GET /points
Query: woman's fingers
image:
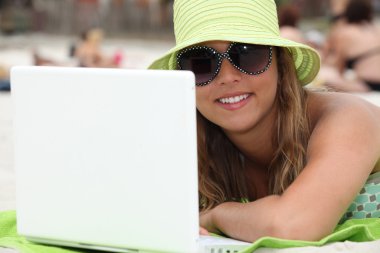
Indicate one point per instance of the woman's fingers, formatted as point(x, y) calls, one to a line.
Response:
point(203, 231)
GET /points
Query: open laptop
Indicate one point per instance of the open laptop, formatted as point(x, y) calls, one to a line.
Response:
point(107, 159)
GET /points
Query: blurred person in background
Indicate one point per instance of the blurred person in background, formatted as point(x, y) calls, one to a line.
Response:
point(354, 50)
point(337, 8)
point(329, 74)
point(337, 20)
point(89, 53)
point(85, 53)
point(288, 18)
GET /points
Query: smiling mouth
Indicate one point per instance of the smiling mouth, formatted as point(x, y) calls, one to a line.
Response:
point(233, 100)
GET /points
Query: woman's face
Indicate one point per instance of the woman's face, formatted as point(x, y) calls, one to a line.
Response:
point(235, 101)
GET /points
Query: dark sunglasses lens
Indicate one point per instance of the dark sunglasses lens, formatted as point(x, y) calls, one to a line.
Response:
point(250, 58)
point(202, 62)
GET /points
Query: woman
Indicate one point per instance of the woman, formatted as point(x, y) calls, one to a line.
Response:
point(89, 53)
point(288, 19)
point(356, 45)
point(274, 158)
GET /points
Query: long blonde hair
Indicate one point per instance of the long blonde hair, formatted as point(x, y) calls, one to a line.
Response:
point(220, 163)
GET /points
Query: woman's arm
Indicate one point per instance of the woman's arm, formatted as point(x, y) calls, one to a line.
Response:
point(343, 148)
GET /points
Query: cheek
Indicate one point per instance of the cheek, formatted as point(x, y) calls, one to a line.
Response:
point(269, 80)
point(202, 98)
point(265, 88)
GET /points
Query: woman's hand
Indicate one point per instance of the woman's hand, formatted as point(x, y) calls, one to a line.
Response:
point(206, 221)
point(203, 231)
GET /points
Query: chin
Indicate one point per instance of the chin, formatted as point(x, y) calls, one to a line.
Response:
point(237, 126)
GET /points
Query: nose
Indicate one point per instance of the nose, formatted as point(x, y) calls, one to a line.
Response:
point(228, 74)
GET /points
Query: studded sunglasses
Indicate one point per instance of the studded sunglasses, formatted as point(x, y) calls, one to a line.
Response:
point(205, 62)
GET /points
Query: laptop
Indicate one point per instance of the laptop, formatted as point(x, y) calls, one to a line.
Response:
point(106, 159)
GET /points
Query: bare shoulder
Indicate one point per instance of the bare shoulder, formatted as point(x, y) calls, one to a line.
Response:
point(323, 104)
point(339, 116)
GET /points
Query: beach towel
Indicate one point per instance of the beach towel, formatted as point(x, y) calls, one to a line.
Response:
point(356, 230)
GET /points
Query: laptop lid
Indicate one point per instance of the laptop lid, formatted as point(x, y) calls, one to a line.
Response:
point(106, 158)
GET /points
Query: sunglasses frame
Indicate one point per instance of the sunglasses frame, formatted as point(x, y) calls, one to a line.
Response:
point(225, 55)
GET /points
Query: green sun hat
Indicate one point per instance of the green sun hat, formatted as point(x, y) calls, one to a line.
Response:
point(246, 21)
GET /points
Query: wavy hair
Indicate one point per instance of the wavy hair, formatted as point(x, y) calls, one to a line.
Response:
point(220, 163)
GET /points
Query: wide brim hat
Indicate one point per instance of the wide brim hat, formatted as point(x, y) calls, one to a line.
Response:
point(246, 21)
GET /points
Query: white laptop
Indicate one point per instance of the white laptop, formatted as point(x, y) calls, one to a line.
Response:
point(107, 159)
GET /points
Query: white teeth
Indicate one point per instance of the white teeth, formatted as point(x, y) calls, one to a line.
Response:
point(233, 100)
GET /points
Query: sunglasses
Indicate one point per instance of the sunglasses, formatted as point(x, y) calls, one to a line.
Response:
point(205, 62)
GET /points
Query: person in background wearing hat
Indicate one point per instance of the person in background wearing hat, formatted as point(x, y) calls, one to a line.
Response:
point(275, 159)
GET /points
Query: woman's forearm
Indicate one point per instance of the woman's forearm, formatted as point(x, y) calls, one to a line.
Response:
point(264, 217)
point(243, 221)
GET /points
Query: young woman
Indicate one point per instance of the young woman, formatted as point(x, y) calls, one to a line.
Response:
point(275, 159)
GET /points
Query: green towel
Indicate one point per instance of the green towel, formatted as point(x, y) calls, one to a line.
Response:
point(357, 230)
point(10, 239)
